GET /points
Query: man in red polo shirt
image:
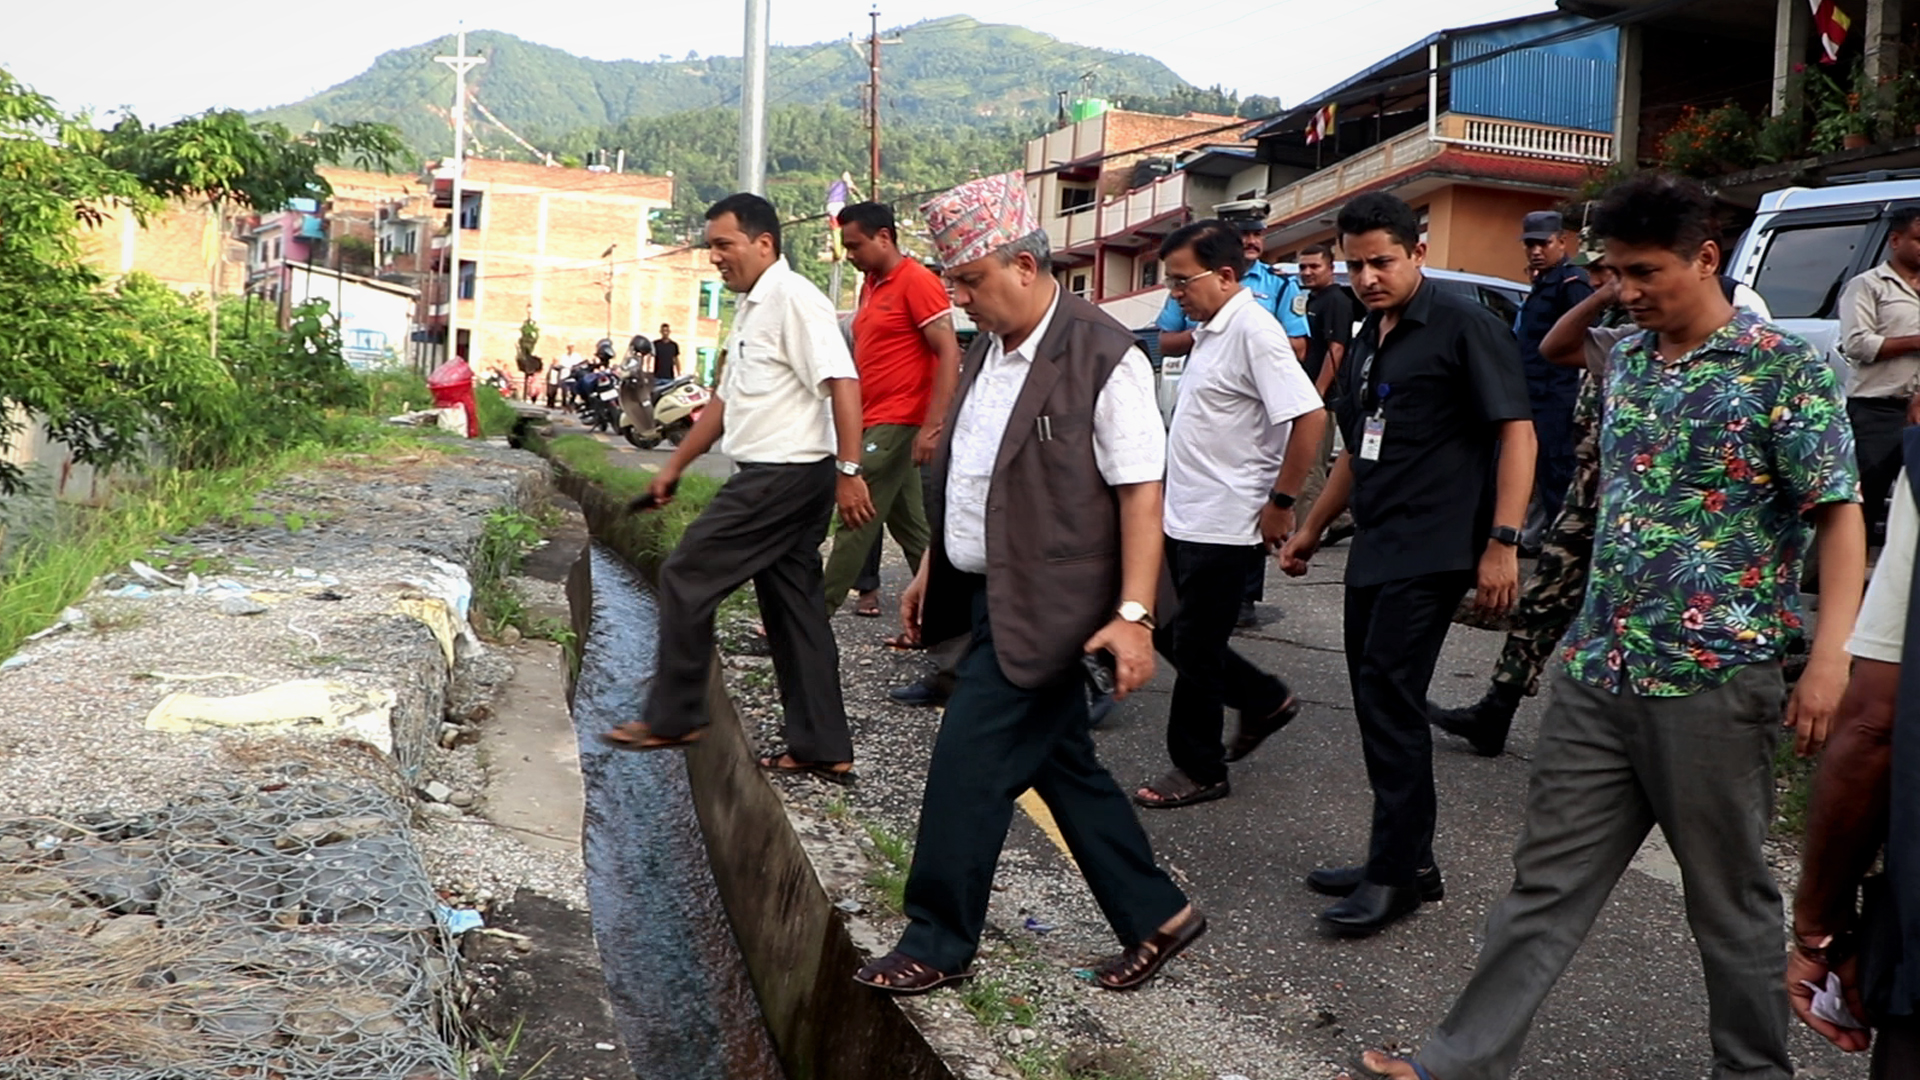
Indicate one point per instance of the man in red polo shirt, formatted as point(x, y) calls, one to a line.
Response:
point(909, 360)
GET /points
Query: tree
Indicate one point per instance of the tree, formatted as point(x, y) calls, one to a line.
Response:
point(107, 367)
point(225, 160)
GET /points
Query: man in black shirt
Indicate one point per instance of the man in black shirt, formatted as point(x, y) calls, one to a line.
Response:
point(1558, 285)
point(1329, 332)
point(1439, 461)
point(666, 356)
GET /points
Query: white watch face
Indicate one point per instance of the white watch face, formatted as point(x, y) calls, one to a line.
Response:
point(1133, 611)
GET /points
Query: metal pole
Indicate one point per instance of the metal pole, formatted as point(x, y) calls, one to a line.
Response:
point(461, 63)
point(753, 101)
point(873, 106)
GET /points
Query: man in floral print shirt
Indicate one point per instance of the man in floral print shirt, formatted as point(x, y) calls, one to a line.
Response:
point(1722, 438)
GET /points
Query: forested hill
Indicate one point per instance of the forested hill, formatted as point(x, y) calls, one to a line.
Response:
point(943, 72)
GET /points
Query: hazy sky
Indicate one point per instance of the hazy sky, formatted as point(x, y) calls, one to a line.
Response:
point(165, 60)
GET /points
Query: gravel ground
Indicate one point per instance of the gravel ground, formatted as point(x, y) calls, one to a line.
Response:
point(326, 557)
point(1180, 1027)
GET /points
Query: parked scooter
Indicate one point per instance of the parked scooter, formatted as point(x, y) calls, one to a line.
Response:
point(648, 415)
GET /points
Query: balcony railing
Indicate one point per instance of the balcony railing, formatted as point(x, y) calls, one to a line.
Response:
point(1077, 229)
point(1413, 147)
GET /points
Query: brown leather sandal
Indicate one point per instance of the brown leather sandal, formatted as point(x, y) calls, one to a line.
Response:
point(1254, 732)
point(1135, 967)
point(784, 763)
point(635, 735)
point(1177, 789)
point(901, 975)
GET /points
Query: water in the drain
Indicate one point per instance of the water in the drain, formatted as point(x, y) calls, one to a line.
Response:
point(674, 972)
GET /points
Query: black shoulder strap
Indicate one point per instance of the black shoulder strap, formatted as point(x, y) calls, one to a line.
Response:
point(1727, 285)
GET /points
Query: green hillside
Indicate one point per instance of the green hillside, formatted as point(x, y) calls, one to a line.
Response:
point(944, 72)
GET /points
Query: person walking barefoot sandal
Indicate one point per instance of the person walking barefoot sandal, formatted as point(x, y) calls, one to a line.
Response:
point(1137, 966)
point(635, 735)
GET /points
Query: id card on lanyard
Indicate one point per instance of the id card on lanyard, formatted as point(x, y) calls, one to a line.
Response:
point(1374, 430)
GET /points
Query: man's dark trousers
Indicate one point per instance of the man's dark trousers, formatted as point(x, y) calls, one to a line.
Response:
point(1211, 675)
point(1554, 461)
point(765, 526)
point(1877, 424)
point(996, 741)
point(1394, 631)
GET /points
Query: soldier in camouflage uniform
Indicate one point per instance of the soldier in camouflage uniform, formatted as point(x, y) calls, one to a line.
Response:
point(1554, 590)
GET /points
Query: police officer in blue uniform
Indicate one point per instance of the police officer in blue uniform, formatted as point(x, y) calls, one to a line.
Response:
point(1558, 286)
point(1280, 294)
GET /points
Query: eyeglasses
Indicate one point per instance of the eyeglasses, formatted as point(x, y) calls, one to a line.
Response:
point(1179, 282)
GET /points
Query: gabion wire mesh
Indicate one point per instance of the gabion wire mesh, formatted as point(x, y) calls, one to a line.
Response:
point(285, 934)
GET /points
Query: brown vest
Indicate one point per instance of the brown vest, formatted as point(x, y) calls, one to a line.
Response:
point(1053, 524)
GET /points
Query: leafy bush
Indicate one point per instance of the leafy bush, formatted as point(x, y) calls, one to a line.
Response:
point(1709, 143)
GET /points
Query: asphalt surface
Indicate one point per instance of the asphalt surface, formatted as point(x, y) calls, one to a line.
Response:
point(1632, 1005)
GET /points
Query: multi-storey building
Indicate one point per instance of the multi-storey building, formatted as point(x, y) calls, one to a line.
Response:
point(572, 250)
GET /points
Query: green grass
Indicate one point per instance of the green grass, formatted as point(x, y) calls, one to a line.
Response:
point(994, 1006)
point(497, 414)
point(890, 878)
point(1794, 776)
point(658, 532)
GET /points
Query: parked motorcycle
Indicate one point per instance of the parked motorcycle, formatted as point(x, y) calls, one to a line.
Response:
point(649, 415)
point(600, 400)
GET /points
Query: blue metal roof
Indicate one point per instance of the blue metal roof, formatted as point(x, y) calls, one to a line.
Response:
point(1417, 50)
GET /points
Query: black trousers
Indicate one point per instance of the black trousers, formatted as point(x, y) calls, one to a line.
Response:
point(1393, 633)
point(1554, 457)
point(996, 741)
point(1877, 424)
point(869, 578)
point(765, 526)
point(1211, 676)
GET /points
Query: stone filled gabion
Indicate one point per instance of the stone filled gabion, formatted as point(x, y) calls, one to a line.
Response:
point(288, 932)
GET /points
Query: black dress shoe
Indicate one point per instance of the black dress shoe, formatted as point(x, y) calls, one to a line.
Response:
point(1342, 880)
point(1249, 618)
point(920, 694)
point(1101, 709)
point(1371, 908)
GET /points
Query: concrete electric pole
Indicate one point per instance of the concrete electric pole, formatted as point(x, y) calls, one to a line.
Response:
point(753, 101)
point(461, 63)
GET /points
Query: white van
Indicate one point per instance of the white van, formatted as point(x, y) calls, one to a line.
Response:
point(1807, 243)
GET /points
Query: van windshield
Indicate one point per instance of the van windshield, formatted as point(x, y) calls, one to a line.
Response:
point(1803, 269)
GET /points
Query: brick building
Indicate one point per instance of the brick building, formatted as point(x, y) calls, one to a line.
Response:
point(570, 248)
point(177, 246)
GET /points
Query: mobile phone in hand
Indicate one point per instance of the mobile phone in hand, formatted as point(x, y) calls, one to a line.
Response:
point(1100, 667)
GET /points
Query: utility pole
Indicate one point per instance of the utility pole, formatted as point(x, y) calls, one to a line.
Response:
point(873, 108)
point(461, 63)
point(753, 101)
point(874, 41)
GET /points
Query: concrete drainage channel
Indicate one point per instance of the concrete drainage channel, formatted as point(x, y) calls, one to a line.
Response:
point(691, 943)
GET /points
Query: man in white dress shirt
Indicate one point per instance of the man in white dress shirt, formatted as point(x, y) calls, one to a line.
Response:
point(1045, 521)
point(1244, 436)
point(788, 398)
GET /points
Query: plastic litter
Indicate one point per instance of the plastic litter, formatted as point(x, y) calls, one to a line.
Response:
point(850, 906)
point(1083, 974)
point(149, 574)
point(15, 661)
point(1038, 927)
point(460, 920)
point(131, 591)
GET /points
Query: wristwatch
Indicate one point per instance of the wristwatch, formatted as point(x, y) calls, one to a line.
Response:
point(1505, 534)
point(1134, 611)
point(848, 468)
point(1280, 500)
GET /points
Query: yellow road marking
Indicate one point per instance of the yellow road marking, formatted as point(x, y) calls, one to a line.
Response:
point(1037, 810)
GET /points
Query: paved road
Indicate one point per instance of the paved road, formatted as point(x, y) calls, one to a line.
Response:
point(1632, 1006)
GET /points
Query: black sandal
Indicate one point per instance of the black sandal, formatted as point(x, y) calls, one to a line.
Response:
point(1253, 733)
point(825, 770)
point(901, 975)
point(1177, 789)
point(1135, 967)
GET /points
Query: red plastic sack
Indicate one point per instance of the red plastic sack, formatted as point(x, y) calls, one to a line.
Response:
point(452, 384)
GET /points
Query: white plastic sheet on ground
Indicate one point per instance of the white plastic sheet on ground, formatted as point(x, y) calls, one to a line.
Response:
point(321, 705)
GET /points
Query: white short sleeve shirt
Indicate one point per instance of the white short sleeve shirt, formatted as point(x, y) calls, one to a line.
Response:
point(785, 348)
point(1880, 631)
point(1128, 442)
point(1240, 392)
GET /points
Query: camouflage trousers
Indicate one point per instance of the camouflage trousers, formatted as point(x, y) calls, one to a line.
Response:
point(1551, 598)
